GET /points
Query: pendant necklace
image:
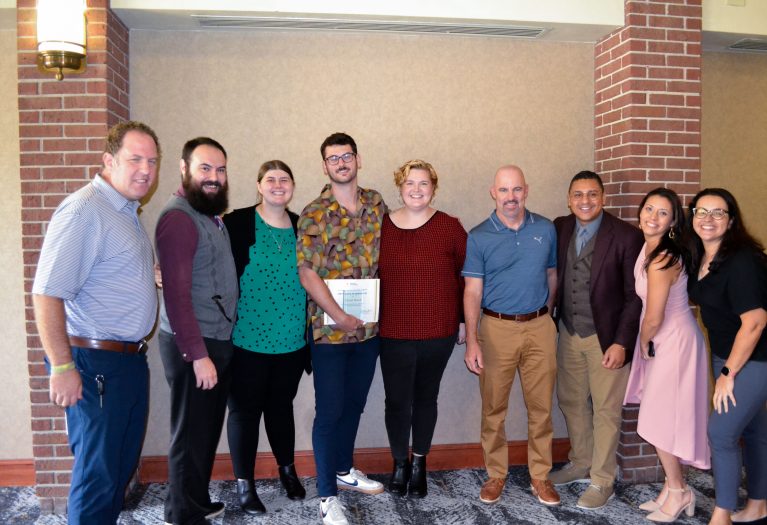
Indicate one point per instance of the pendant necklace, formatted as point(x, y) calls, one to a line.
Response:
point(274, 238)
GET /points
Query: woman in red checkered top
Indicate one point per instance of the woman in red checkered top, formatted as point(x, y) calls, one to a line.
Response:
point(422, 253)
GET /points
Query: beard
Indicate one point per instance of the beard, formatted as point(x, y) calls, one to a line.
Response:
point(203, 202)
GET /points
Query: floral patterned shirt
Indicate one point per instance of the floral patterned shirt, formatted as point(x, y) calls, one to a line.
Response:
point(338, 244)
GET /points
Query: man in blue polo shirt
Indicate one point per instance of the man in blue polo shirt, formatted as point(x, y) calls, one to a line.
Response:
point(511, 278)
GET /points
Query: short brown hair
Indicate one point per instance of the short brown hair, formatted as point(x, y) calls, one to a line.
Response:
point(338, 139)
point(117, 134)
point(400, 176)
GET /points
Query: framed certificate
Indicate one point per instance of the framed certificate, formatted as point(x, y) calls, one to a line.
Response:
point(357, 297)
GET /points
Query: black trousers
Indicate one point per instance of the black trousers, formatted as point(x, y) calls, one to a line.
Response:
point(412, 371)
point(262, 384)
point(196, 420)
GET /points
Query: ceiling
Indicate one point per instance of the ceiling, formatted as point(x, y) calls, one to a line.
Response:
point(725, 22)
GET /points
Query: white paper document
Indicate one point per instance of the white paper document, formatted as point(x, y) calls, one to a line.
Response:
point(357, 297)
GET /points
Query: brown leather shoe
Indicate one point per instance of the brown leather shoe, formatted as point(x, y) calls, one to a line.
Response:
point(491, 490)
point(545, 491)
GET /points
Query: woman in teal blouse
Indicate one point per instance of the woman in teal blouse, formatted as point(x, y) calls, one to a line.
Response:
point(269, 335)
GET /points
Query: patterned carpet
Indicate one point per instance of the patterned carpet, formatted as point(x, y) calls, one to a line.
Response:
point(452, 500)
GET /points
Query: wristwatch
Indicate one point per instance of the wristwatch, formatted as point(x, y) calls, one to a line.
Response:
point(725, 371)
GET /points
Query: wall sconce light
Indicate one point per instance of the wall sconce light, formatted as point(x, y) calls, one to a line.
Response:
point(61, 36)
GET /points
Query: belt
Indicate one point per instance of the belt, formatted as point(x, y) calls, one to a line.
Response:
point(113, 346)
point(520, 318)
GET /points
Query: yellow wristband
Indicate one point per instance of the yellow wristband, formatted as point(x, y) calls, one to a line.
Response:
point(59, 369)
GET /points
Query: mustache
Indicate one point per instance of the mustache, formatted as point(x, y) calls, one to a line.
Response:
point(212, 184)
point(511, 201)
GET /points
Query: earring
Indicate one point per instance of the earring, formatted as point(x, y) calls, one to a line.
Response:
point(671, 234)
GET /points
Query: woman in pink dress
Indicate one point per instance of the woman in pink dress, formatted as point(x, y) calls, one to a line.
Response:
point(669, 373)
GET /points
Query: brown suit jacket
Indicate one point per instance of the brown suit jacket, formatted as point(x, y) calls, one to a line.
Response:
point(614, 302)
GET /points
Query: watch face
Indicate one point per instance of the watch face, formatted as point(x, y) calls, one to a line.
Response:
point(725, 371)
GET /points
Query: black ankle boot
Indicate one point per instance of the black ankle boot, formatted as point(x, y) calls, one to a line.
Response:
point(249, 501)
point(290, 481)
point(417, 487)
point(399, 477)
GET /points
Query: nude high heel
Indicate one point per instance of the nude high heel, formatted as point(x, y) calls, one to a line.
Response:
point(654, 504)
point(689, 508)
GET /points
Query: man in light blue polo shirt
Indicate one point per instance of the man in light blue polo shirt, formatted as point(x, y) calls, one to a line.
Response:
point(95, 300)
point(511, 278)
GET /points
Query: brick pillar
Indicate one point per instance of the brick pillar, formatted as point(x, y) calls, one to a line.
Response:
point(647, 132)
point(62, 126)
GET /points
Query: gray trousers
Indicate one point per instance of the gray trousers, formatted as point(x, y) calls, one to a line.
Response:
point(749, 421)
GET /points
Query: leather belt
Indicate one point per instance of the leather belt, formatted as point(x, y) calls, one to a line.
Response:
point(520, 318)
point(112, 346)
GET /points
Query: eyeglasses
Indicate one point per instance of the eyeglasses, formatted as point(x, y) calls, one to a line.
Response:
point(335, 159)
point(701, 213)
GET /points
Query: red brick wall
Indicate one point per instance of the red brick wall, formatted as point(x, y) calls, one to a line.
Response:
point(637, 460)
point(647, 132)
point(62, 126)
point(647, 103)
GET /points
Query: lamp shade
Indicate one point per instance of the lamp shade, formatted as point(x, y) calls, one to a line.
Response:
point(61, 35)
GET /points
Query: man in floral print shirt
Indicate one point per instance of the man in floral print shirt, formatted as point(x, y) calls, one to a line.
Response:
point(339, 238)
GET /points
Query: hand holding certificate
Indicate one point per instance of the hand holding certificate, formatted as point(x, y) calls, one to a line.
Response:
point(357, 297)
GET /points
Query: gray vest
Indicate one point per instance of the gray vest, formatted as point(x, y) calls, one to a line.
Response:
point(576, 304)
point(214, 278)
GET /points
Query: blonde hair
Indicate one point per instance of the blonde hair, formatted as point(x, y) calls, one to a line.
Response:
point(402, 173)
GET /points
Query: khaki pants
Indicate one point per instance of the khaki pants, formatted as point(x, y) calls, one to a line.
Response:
point(591, 399)
point(530, 347)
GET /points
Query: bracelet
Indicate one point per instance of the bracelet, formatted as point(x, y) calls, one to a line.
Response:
point(59, 369)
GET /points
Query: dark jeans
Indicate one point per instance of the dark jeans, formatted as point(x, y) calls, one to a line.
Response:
point(749, 420)
point(105, 434)
point(342, 377)
point(196, 420)
point(262, 384)
point(412, 371)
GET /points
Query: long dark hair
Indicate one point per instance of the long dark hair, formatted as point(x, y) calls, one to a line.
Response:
point(735, 238)
point(670, 244)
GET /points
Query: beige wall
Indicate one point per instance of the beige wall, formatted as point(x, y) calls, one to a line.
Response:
point(467, 105)
point(734, 131)
point(15, 432)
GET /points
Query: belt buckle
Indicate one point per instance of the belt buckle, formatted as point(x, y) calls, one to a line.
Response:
point(142, 346)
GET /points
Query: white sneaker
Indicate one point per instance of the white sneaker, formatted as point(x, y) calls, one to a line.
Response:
point(332, 512)
point(356, 480)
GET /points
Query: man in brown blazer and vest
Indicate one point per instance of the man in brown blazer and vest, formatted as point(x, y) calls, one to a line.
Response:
point(598, 316)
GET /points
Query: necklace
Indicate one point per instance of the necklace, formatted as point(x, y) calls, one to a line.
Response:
point(271, 230)
point(274, 238)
